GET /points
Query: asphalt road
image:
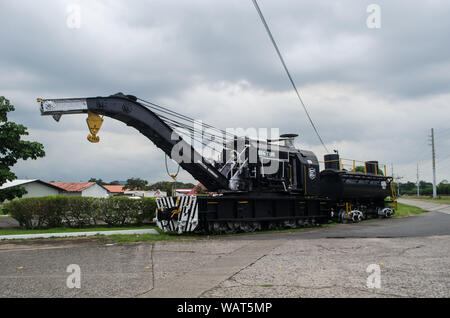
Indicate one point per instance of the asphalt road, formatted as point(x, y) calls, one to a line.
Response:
point(412, 253)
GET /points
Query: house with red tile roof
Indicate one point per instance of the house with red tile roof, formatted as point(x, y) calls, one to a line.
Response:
point(192, 191)
point(115, 189)
point(184, 191)
point(84, 189)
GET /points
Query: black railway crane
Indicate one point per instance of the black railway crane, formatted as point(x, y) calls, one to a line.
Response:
point(260, 184)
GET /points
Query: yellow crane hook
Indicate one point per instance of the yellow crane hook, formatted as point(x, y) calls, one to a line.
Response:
point(94, 123)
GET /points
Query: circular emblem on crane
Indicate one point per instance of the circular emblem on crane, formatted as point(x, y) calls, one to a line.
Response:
point(312, 173)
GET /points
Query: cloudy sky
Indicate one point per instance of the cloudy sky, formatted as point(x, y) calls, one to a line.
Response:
point(374, 94)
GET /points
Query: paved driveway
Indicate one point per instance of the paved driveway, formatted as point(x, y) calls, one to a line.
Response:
point(413, 255)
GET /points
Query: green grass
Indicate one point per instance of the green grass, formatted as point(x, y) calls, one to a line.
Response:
point(407, 210)
point(172, 237)
point(71, 230)
point(441, 200)
point(4, 216)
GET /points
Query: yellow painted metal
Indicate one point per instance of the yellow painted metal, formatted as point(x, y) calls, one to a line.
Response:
point(174, 177)
point(242, 202)
point(175, 212)
point(334, 160)
point(94, 123)
point(351, 163)
point(393, 191)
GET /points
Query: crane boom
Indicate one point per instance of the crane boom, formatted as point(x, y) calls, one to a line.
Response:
point(128, 110)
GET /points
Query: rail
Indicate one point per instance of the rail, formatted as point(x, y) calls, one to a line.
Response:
point(352, 165)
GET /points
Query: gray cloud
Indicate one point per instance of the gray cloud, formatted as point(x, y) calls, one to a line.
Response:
point(371, 92)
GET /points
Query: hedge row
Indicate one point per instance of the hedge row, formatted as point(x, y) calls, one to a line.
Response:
point(56, 211)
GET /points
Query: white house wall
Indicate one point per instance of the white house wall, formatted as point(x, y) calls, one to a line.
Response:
point(95, 191)
point(36, 189)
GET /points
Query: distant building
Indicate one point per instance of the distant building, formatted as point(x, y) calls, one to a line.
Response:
point(192, 191)
point(184, 191)
point(115, 190)
point(146, 194)
point(84, 189)
point(34, 188)
point(118, 190)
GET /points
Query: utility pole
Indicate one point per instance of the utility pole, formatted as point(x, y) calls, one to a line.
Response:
point(396, 179)
point(417, 183)
point(434, 163)
point(393, 179)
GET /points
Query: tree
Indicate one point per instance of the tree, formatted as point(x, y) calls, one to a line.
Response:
point(98, 181)
point(167, 186)
point(12, 149)
point(199, 189)
point(136, 184)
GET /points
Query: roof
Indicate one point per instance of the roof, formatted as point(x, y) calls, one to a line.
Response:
point(183, 190)
point(192, 191)
point(20, 182)
point(73, 186)
point(148, 193)
point(15, 183)
point(115, 188)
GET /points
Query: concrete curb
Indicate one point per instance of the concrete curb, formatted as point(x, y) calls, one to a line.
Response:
point(75, 234)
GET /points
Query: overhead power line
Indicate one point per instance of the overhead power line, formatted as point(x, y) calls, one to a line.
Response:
point(287, 72)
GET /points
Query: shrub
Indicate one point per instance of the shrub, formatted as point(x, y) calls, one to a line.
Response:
point(80, 211)
point(35, 213)
point(52, 210)
point(118, 211)
point(22, 211)
point(148, 209)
